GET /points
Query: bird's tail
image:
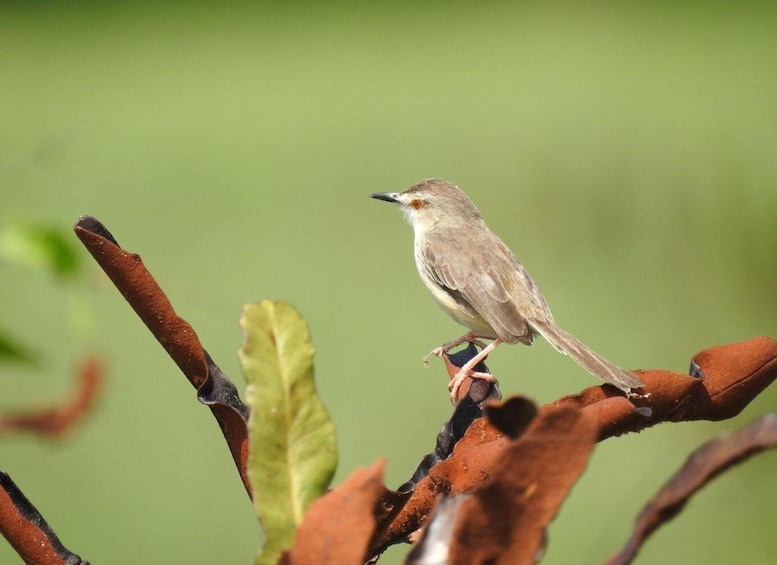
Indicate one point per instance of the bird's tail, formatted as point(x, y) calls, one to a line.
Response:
point(586, 357)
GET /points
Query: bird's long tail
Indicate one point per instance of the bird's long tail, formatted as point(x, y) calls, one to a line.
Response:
point(586, 357)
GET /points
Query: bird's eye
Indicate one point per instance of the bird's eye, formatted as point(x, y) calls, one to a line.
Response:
point(417, 203)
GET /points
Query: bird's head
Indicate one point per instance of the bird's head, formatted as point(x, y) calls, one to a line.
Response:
point(432, 202)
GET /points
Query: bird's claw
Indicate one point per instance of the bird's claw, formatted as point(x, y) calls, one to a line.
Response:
point(437, 352)
point(458, 379)
point(444, 348)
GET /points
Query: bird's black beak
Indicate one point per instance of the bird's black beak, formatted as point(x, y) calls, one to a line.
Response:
point(387, 196)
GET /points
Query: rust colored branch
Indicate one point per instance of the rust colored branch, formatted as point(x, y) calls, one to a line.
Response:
point(732, 376)
point(26, 530)
point(57, 420)
point(132, 279)
point(728, 378)
point(704, 464)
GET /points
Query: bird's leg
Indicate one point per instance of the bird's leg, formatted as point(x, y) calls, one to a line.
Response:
point(467, 370)
point(469, 337)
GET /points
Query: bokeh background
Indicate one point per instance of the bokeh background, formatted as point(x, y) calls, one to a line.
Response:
point(626, 153)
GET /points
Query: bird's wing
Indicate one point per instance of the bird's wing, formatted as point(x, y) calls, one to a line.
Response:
point(486, 280)
point(438, 268)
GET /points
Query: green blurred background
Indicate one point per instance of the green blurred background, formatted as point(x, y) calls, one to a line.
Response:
point(627, 154)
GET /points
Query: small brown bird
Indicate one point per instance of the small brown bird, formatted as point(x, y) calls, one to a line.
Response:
point(478, 281)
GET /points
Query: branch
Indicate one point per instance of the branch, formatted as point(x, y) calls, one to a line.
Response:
point(729, 377)
point(60, 418)
point(723, 381)
point(26, 530)
point(214, 389)
point(704, 464)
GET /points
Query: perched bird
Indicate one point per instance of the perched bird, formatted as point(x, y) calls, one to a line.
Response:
point(478, 281)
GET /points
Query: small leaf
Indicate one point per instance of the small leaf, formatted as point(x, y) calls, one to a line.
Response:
point(339, 525)
point(11, 350)
point(505, 520)
point(292, 454)
point(39, 245)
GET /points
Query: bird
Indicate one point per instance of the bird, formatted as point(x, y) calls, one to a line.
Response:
point(482, 285)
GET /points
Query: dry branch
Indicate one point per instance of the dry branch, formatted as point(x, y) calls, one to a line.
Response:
point(127, 272)
point(732, 376)
point(704, 464)
point(57, 420)
point(26, 530)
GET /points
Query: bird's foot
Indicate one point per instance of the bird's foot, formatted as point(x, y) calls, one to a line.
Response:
point(459, 378)
point(470, 337)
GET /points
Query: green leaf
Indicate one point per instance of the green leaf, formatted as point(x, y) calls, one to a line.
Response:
point(11, 350)
point(41, 246)
point(292, 454)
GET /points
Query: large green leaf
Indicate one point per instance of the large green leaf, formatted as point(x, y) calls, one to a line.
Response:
point(292, 454)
